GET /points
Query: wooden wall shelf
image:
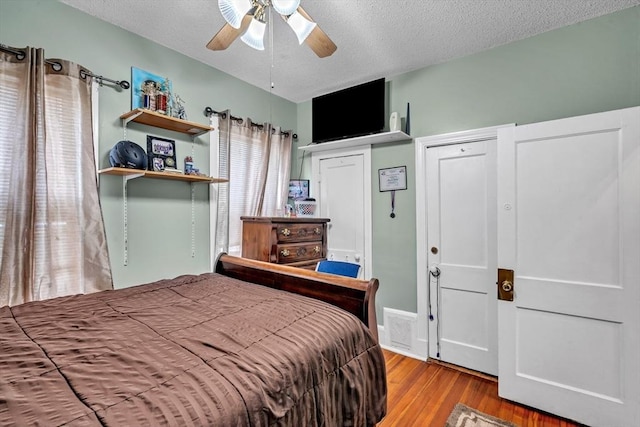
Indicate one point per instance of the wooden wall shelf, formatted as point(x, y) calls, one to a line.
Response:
point(154, 119)
point(151, 118)
point(135, 173)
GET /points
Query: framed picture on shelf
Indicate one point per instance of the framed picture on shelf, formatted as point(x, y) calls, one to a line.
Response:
point(161, 153)
point(298, 189)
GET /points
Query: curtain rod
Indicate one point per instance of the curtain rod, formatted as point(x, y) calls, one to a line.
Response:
point(208, 111)
point(58, 66)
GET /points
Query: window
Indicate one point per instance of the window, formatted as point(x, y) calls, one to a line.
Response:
point(52, 240)
point(258, 167)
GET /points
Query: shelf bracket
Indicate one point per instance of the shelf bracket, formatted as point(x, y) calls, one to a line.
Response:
point(125, 212)
point(132, 117)
point(126, 121)
point(125, 221)
point(131, 176)
point(193, 220)
point(195, 135)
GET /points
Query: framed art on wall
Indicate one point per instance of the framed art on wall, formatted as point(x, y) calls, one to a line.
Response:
point(391, 179)
point(144, 88)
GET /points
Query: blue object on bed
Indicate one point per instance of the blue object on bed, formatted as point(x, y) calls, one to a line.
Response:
point(341, 268)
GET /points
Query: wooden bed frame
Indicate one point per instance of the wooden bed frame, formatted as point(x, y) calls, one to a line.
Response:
point(352, 295)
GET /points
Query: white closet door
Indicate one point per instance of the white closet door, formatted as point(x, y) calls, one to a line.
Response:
point(342, 201)
point(461, 220)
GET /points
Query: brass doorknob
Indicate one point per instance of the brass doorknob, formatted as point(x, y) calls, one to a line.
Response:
point(507, 286)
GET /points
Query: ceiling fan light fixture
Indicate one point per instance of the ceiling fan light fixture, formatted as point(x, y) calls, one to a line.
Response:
point(234, 10)
point(285, 7)
point(301, 26)
point(254, 36)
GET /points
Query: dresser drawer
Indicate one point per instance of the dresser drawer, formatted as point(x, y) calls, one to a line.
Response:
point(289, 233)
point(296, 241)
point(294, 252)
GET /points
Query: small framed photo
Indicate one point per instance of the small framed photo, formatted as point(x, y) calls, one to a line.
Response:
point(392, 179)
point(299, 189)
point(161, 153)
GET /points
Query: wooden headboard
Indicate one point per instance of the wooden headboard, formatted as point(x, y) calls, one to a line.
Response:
point(352, 295)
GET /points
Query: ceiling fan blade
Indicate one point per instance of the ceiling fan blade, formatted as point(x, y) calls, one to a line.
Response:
point(320, 43)
point(318, 40)
point(228, 34)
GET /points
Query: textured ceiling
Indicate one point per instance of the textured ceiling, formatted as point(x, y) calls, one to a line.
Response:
point(375, 38)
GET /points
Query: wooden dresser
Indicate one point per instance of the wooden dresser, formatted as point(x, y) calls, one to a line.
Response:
point(296, 241)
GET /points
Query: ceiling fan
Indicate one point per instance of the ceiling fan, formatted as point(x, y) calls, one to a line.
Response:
point(247, 19)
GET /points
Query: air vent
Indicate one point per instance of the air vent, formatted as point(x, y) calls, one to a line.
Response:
point(399, 327)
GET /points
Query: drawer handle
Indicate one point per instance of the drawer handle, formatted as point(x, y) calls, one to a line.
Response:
point(317, 230)
point(285, 232)
point(285, 252)
point(316, 249)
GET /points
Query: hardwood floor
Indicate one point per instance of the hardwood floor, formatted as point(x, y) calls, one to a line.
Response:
point(424, 393)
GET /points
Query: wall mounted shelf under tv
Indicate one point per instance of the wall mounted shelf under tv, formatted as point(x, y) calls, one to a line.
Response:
point(377, 138)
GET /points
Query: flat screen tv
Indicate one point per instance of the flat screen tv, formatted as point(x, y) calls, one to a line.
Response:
point(347, 113)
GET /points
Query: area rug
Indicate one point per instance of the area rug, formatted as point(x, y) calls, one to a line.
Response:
point(463, 416)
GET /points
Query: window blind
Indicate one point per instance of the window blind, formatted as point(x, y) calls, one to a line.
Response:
point(8, 138)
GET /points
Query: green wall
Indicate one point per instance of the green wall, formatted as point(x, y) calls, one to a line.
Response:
point(159, 212)
point(585, 68)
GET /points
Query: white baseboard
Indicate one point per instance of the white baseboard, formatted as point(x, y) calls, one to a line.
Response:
point(422, 349)
point(402, 352)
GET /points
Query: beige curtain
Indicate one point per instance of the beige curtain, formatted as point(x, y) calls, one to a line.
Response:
point(259, 162)
point(222, 218)
point(52, 239)
point(278, 171)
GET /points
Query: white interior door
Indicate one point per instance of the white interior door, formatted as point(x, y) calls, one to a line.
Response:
point(342, 201)
point(569, 227)
point(461, 222)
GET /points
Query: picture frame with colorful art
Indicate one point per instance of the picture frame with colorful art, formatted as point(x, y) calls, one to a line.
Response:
point(150, 91)
point(298, 189)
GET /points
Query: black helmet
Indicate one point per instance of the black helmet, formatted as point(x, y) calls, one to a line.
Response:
point(127, 154)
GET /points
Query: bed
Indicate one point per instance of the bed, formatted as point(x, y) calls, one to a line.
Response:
point(253, 344)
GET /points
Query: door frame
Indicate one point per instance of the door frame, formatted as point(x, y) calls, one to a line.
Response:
point(422, 265)
point(364, 151)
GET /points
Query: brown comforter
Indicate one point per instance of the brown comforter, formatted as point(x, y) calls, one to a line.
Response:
point(196, 350)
